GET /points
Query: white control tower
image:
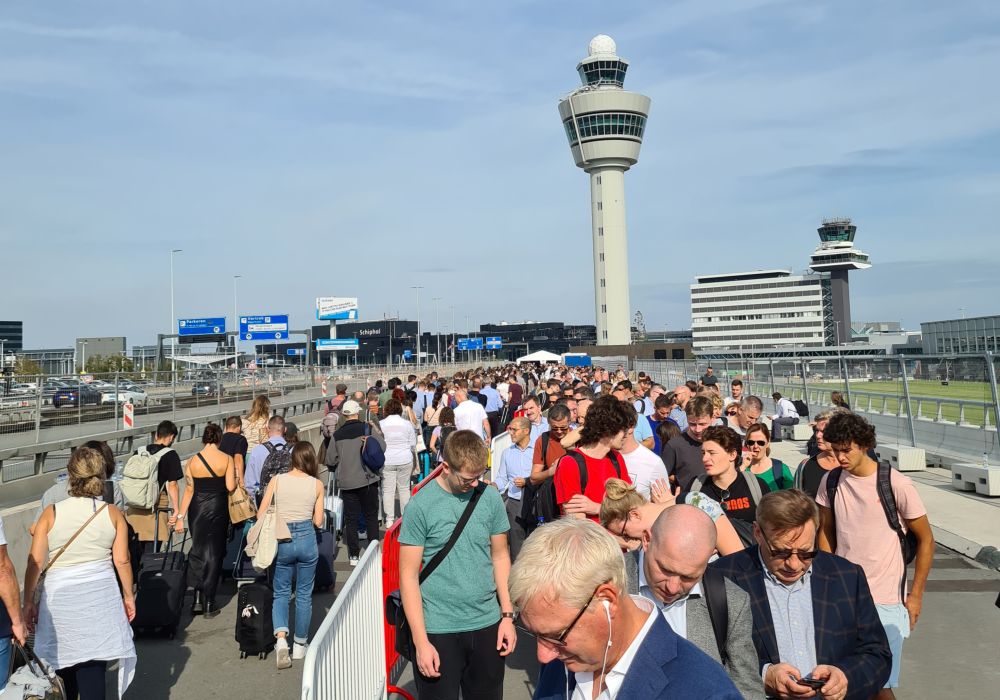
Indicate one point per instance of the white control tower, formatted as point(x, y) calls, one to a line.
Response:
point(604, 124)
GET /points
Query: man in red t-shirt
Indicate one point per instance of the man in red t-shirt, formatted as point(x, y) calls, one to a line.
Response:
point(608, 422)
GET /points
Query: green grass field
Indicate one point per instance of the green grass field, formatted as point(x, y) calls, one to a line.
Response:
point(920, 389)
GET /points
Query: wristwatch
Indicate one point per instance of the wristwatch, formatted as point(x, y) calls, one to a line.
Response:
point(508, 615)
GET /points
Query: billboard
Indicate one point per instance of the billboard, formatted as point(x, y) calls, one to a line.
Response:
point(337, 308)
point(264, 327)
point(494, 342)
point(337, 344)
point(201, 326)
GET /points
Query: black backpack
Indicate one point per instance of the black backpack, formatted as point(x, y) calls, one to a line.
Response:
point(539, 505)
point(801, 408)
point(278, 461)
point(883, 485)
point(713, 584)
point(446, 430)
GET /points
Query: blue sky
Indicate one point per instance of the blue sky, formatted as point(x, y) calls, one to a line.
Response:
point(321, 148)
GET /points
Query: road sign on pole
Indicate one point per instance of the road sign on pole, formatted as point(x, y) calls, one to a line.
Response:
point(201, 326)
point(324, 344)
point(264, 327)
point(128, 416)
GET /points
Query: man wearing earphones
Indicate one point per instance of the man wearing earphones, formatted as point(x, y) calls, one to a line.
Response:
point(597, 642)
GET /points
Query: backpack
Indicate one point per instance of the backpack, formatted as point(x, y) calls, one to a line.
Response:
point(278, 461)
point(777, 474)
point(139, 485)
point(801, 408)
point(372, 454)
point(713, 585)
point(446, 430)
point(883, 485)
point(329, 425)
point(742, 527)
point(544, 508)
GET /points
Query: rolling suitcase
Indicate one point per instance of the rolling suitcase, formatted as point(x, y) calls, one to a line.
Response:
point(254, 629)
point(326, 543)
point(333, 507)
point(160, 588)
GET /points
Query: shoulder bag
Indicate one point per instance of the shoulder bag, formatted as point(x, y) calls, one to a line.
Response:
point(394, 613)
point(35, 680)
point(37, 593)
point(264, 535)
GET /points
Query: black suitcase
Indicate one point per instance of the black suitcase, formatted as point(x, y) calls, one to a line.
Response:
point(254, 628)
point(160, 588)
point(326, 542)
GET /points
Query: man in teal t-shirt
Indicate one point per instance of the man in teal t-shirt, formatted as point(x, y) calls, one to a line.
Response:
point(461, 617)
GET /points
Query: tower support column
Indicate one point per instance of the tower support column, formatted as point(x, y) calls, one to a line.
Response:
point(611, 293)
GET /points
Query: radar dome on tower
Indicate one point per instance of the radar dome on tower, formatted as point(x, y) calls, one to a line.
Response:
point(602, 45)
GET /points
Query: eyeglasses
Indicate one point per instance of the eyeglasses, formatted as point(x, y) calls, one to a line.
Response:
point(466, 481)
point(559, 640)
point(758, 443)
point(786, 554)
point(556, 429)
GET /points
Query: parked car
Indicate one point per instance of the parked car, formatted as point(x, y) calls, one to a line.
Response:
point(207, 387)
point(127, 393)
point(81, 395)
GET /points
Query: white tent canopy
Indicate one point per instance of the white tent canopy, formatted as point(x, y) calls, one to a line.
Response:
point(540, 356)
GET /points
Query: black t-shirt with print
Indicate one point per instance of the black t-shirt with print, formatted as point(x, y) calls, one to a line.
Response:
point(736, 500)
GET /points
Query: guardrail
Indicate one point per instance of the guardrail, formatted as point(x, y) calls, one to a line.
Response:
point(344, 659)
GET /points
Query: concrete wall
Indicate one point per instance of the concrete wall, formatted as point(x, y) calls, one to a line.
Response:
point(17, 519)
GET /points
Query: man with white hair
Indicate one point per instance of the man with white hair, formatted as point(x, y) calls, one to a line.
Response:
point(595, 640)
point(699, 603)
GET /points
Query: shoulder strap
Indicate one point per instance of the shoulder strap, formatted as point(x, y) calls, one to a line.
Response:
point(778, 473)
point(755, 493)
point(613, 456)
point(462, 522)
point(269, 446)
point(70, 540)
point(883, 485)
point(207, 465)
point(714, 585)
point(545, 448)
point(695, 486)
point(797, 480)
point(832, 481)
point(581, 464)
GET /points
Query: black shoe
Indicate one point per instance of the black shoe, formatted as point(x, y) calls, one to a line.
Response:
point(196, 607)
point(211, 611)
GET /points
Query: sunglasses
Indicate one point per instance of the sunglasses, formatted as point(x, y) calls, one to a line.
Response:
point(786, 554)
point(758, 443)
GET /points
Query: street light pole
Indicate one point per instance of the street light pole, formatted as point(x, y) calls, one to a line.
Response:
point(453, 329)
point(83, 362)
point(437, 326)
point(173, 317)
point(236, 327)
point(417, 289)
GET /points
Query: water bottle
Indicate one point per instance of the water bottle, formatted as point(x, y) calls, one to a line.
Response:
point(541, 521)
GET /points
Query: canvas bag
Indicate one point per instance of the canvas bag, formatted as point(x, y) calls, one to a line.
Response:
point(33, 681)
point(263, 537)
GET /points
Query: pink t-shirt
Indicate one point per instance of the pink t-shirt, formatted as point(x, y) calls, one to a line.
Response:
point(863, 533)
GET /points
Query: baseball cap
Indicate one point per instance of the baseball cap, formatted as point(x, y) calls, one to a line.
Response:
point(350, 408)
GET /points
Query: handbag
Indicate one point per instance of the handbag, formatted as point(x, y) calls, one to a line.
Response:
point(37, 593)
point(263, 537)
point(35, 680)
point(394, 613)
point(241, 506)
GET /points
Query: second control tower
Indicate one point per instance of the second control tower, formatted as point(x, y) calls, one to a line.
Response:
point(605, 124)
point(837, 255)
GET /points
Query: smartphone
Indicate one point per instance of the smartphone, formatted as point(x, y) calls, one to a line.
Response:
point(814, 683)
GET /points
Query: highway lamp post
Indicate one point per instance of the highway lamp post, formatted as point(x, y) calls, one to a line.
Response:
point(173, 318)
point(437, 326)
point(417, 290)
point(236, 332)
point(453, 329)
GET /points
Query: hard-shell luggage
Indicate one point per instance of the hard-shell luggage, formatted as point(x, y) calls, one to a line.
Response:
point(326, 543)
point(160, 587)
point(333, 506)
point(254, 629)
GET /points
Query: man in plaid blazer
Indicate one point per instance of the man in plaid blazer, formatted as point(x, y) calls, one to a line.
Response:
point(813, 615)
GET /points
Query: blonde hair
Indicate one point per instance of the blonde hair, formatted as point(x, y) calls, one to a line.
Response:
point(260, 408)
point(566, 559)
point(620, 499)
point(86, 473)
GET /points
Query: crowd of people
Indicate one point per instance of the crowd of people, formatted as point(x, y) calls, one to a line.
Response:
point(645, 537)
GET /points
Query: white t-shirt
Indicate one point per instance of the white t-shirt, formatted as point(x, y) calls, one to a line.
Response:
point(469, 415)
point(644, 467)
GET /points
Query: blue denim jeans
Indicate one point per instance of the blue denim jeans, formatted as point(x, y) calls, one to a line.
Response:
point(296, 558)
point(4, 660)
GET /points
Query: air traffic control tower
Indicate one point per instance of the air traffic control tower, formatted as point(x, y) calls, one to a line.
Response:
point(837, 255)
point(604, 124)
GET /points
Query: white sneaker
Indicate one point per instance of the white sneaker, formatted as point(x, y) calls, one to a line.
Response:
point(353, 561)
point(281, 653)
point(299, 651)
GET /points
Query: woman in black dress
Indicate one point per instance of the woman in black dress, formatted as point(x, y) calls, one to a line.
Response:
point(209, 478)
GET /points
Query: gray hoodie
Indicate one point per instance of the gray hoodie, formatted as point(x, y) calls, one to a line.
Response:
point(343, 455)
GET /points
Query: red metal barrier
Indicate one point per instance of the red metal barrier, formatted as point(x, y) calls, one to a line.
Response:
point(394, 663)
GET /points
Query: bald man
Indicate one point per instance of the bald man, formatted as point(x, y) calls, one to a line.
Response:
point(673, 575)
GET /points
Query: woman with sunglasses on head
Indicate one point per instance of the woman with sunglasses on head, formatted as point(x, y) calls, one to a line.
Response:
point(757, 459)
point(812, 470)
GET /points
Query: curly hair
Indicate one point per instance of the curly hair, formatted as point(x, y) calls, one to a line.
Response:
point(725, 437)
point(606, 418)
point(845, 428)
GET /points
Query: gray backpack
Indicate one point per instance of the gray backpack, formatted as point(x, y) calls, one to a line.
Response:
point(139, 485)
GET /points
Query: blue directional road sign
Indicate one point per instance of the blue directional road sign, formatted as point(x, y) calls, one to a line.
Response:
point(295, 352)
point(463, 344)
point(201, 326)
point(264, 327)
point(494, 342)
point(337, 344)
point(407, 354)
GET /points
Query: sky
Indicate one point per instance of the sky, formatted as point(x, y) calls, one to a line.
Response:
point(361, 149)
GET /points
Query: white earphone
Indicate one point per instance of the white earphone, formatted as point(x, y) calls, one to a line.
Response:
point(607, 609)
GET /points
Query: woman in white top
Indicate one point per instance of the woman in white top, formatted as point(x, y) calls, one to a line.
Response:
point(82, 621)
point(298, 495)
point(400, 443)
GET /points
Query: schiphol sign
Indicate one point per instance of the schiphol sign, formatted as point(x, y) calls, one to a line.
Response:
point(337, 308)
point(201, 326)
point(326, 344)
point(264, 327)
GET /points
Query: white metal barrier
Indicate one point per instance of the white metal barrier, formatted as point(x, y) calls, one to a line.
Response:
point(346, 658)
point(497, 445)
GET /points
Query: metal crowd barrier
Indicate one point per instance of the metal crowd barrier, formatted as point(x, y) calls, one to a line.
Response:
point(344, 659)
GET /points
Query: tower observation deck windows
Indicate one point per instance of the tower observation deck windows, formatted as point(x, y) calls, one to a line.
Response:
point(603, 73)
point(606, 124)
